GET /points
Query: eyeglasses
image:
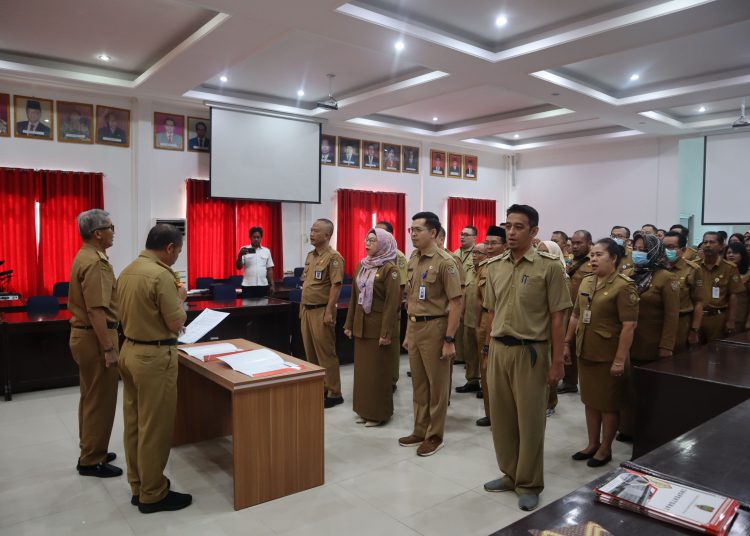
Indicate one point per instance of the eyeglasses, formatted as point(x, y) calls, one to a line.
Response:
point(110, 227)
point(369, 240)
point(415, 230)
point(475, 252)
point(466, 234)
point(492, 243)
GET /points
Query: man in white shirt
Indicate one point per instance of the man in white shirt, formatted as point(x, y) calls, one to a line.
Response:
point(257, 280)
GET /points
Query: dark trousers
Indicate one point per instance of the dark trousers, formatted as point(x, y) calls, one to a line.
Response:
point(254, 292)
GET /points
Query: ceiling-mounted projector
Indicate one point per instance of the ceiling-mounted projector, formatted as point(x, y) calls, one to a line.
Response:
point(330, 103)
point(741, 121)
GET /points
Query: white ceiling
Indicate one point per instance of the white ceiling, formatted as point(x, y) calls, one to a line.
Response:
point(557, 72)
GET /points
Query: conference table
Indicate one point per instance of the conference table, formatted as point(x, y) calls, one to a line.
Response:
point(276, 423)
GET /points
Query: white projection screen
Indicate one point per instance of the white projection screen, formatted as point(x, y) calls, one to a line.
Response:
point(726, 179)
point(264, 157)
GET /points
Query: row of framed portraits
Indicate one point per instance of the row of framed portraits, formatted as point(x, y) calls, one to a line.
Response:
point(375, 155)
point(35, 118)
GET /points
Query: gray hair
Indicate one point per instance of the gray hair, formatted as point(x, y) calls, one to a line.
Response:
point(91, 220)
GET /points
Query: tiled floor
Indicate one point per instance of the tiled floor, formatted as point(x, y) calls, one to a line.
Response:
point(373, 486)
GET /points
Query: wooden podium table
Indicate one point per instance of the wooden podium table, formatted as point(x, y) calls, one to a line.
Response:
point(276, 423)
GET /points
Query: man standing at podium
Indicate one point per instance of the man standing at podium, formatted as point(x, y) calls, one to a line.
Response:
point(92, 302)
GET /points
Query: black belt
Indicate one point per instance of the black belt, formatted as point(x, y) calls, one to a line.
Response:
point(110, 325)
point(163, 342)
point(314, 306)
point(415, 318)
point(713, 312)
point(507, 340)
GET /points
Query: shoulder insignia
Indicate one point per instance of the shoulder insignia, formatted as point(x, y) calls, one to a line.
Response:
point(444, 254)
point(626, 278)
point(394, 275)
point(495, 259)
point(414, 254)
point(675, 285)
point(735, 278)
point(402, 261)
point(335, 262)
point(633, 298)
point(452, 270)
point(547, 255)
point(589, 275)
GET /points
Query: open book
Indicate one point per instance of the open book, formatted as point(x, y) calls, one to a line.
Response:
point(259, 362)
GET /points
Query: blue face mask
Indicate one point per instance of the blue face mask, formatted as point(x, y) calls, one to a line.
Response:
point(671, 255)
point(619, 241)
point(640, 258)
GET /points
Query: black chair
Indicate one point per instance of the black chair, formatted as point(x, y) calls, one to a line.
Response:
point(346, 293)
point(204, 282)
point(298, 271)
point(61, 289)
point(290, 282)
point(42, 305)
point(295, 295)
point(224, 292)
point(235, 280)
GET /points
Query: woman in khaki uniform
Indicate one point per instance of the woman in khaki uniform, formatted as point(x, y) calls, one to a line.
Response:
point(737, 254)
point(603, 322)
point(373, 320)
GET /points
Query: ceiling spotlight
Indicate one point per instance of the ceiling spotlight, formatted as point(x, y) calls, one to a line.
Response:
point(516, 136)
point(399, 45)
point(104, 57)
point(555, 94)
point(702, 109)
point(634, 77)
point(501, 21)
point(223, 78)
point(435, 118)
point(300, 93)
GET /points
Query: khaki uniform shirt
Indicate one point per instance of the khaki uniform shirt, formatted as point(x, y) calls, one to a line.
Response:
point(147, 290)
point(435, 270)
point(92, 284)
point(386, 299)
point(612, 304)
point(691, 254)
point(658, 316)
point(577, 274)
point(471, 298)
point(691, 283)
point(465, 258)
point(723, 275)
point(401, 265)
point(626, 263)
point(322, 270)
point(459, 267)
point(524, 294)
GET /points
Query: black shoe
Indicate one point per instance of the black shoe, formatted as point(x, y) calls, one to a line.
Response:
point(484, 421)
point(480, 394)
point(101, 470)
point(567, 388)
point(580, 456)
point(408, 373)
point(593, 462)
point(134, 499)
point(624, 438)
point(110, 458)
point(470, 387)
point(393, 388)
point(459, 362)
point(329, 402)
point(173, 501)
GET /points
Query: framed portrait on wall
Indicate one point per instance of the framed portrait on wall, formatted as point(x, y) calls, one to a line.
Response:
point(410, 159)
point(391, 157)
point(349, 149)
point(455, 164)
point(199, 135)
point(370, 154)
point(75, 122)
point(4, 115)
point(470, 167)
point(327, 150)
point(112, 126)
point(34, 118)
point(169, 131)
point(437, 163)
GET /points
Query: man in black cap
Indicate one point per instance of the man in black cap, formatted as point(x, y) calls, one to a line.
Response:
point(33, 127)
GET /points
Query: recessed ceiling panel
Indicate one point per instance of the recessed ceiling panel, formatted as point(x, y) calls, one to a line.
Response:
point(703, 109)
point(134, 33)
point(561, 128)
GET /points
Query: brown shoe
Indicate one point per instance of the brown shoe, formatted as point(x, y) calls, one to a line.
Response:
point(430, 446)
point(410, 441)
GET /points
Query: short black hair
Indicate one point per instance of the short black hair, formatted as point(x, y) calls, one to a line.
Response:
point(661, 231)
point(739, 236)
point(199, 123)
point(650, 225)
point(722, 234)
point(530, 212)
point(717, 234)
point(431, 220)
point(681, 238)
point(627, 230)
point(585, 233)
point(684, 230)
point(563, 234)
point(612, 248)
point(254, 230)
point(161, 235)
point(328, 224)
point(387, 225)
point(473, 229)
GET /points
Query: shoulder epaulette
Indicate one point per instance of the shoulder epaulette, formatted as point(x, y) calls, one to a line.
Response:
point(548, 255)
point(691, 263)
point(445, 254)
point(626, 278)
point(498, 258)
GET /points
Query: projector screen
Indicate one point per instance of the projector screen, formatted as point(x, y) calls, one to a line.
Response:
point(263, 157)
point(726, 179)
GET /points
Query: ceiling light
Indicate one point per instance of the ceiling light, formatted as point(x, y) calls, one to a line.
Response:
point(223, 78)
point(702, 109)
point(399, 45)
point(516, 136)
point(104, 57)
point(435, 118)
point(634, 77)
point(501, 21)
point(46, 120)
point(300, 93)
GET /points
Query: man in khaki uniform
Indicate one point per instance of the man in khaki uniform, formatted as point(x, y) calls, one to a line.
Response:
point(401, 265)
point(92, 302)
point(468, 239)
point(434, 309)
point(527, 295)
point(471, 308)
point(151, 298)
point(577, 269)
point(621, 235)
point(691, 290)
point(460, 351)
point(495, 245)
point(322, 279)
point(691, 254)
point(721, 284)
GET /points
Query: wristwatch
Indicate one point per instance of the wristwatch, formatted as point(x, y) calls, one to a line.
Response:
point(486, 349)
point(695, 330)
point(449, 340)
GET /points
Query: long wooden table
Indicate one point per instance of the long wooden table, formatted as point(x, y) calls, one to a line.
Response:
point(276, 423)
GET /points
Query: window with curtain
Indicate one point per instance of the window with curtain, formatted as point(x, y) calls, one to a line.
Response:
point(216, 228)
point(357, 211)
point(480, 213)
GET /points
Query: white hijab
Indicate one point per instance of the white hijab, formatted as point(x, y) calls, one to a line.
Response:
point(555, 250)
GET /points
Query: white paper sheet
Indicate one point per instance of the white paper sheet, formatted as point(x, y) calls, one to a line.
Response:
point(202, 324)
point(256, 362)
point(210, 349)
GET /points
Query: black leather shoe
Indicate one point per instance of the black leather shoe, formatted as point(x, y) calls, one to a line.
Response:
point(624, 438)
point(100, 470)
point(408, 373)
point(329, 402)
point(111, 456)
point(580, 455)
point(469, 387)
point(567, 388)
point(480, 394)
point(173, 501)
point(134, 499)
point(593, 462)
point(393, 388)
point(484, 421)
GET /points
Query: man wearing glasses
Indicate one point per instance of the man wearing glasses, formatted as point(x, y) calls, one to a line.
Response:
point(92, 302)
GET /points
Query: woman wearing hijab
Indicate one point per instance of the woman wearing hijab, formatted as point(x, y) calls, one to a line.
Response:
point(658, 312)
point(373, 321)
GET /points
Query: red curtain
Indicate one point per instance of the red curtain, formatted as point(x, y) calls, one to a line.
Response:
point(216, 228)
point(63, 195)
point(18, 196)
point(462, 212)
point(355, 210)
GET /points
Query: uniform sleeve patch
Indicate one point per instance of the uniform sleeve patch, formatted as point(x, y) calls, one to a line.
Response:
point(394, 275)
point(335, 263)
point(633, 298)
point(735, 278)
point(451, 270)
point(675, 285)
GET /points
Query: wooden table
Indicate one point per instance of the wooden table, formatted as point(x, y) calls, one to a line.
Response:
point(741, 339)
point(276, 423)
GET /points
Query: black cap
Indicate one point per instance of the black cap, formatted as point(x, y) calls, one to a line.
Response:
point(494, 230)
point(33, 105)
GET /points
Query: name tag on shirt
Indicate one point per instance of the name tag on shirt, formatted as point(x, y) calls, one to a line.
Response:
point(586, 319)
point(422, 292)
point(715, 293)
point(318, 275)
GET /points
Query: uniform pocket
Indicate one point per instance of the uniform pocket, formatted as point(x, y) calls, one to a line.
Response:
point(603, 333)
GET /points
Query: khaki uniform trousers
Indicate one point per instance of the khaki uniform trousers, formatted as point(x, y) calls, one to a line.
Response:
point(481, 332)
point(683, 329)
point(98, 402)
point(149, 378)
point(320, 347)
point(430, 376)
point(517, 411)
point(713, 326)
point(571, 371)
point(471, 355)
